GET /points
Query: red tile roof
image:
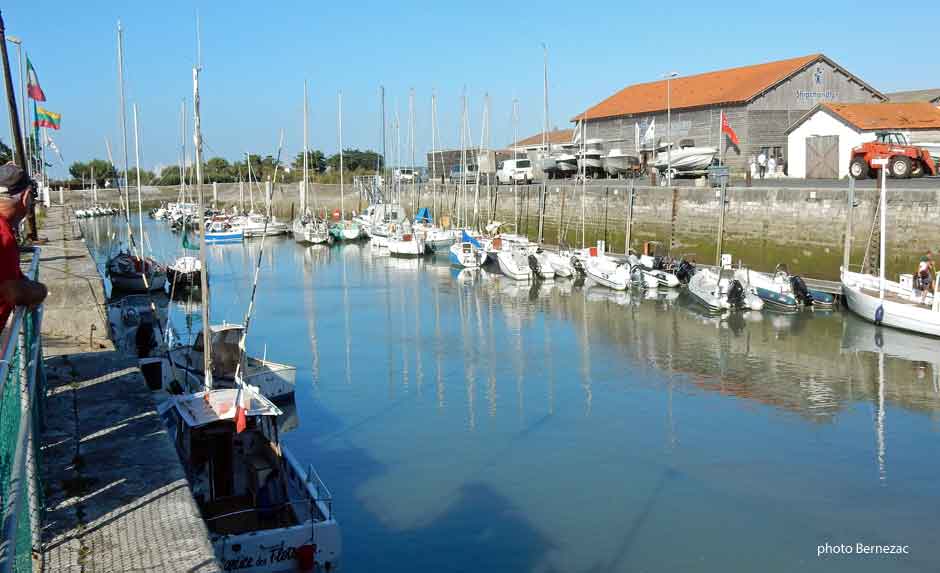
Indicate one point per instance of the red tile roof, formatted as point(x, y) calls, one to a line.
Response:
point(735, 85)
point(557, 136)
point(871, 116)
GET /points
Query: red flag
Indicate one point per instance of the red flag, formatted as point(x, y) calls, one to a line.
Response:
point(32, 83)
point(726, 128)
point(241, 420)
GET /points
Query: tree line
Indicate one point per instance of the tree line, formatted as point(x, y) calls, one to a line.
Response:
point(220, 170)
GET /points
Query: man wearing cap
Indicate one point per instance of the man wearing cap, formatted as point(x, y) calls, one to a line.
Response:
point(16, 194)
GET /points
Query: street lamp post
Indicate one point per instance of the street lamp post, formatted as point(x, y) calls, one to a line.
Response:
point(669, 77)
point(23, 129)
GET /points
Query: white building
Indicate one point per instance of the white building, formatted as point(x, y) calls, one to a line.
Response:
point(819, 144)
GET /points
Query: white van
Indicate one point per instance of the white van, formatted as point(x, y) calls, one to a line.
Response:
point(518, 170)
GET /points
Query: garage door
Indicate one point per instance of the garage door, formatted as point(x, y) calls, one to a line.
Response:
point(822, 157)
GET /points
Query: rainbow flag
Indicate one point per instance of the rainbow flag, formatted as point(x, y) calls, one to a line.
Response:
point(32, 83)
point(46, 118)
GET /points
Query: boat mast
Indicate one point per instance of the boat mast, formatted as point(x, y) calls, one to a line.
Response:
point(204, 270)
point(545, 140)
point(411, 137)
point(303, 193)
point(182, 151)
point(515, 156)
point(339, 131)
point(140, 207)
point(127, 199)
point(881, 247)
point(384, 156)
point(433, 149)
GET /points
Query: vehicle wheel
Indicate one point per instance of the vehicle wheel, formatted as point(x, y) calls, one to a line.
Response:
point(917, 169)
point(900, 167)
point(858, 168)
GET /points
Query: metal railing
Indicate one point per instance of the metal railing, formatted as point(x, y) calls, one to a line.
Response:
point(22, 393)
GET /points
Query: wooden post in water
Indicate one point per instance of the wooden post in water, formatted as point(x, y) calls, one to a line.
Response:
point(675, 215)
point(721, 222)
point(628, 224)
point(606, 200)
point(849, 216)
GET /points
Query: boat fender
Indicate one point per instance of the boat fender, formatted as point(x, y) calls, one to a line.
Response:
point(879, 314)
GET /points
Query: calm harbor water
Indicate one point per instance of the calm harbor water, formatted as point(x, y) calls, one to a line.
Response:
point(467, 423)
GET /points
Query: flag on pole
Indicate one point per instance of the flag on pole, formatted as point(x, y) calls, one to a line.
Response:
point(241, 419)
point(54, 147)
point(577, 132)
point(46, 118)
point(32, 83)
point(726, 129)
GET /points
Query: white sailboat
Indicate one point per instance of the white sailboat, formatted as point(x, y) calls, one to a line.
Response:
point(308, 229)
point(344, 229)
point(882, 301)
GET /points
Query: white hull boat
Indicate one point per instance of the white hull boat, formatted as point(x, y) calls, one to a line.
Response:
point(686, 159)
point(607, 272)
point(311, 231)
point(406, 245)
point(184, 272)
point(256, 225)
point(653, 277)
point(719, 292)
point(566, 163)
point(514, 263)
point(900, 308)
point(263, 510)
point(468, 253)
point(560, 263)
point(617, 163)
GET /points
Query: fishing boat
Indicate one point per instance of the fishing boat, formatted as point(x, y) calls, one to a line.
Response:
point(619, 164)
point(181, 367)
point(130, 273)
point(263, 510)
point(468, 253)
point(720, 291)
point(184, 272)
point(687, 157)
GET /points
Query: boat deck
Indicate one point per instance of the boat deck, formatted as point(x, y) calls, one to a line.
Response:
point(896, 298)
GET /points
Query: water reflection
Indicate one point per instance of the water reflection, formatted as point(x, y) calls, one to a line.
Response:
point(591, 420)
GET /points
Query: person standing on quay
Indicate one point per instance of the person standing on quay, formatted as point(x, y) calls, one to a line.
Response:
point(762, 164)
point(17, 192)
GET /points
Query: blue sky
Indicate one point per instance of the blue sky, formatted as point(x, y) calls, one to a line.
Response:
point(257, 55)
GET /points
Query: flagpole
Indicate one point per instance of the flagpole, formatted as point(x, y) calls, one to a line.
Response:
point(721, 125)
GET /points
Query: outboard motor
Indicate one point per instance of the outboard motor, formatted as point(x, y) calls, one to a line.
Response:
point(736, 294)
point(684, 271)
point(576, 263)
point(800, 292)
point(659, 263)
point(535, 266)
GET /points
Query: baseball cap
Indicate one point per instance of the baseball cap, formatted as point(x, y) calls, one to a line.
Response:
point(13, 180)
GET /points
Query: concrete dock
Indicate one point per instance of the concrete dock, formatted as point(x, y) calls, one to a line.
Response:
point(116, 496)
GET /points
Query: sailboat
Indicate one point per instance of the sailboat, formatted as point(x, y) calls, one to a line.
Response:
point(468, 253)
point(127, 271)
point(344, 229)
point(308, 228)
point(882, 301)
point(263, 511)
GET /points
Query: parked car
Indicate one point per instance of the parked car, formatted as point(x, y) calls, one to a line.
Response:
point(405, 175)
point(518, 170)
point(471, 175)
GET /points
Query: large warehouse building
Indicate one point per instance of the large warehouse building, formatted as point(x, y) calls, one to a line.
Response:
point(760, 101)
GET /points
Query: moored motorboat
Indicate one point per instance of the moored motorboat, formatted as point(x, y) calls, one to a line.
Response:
point(720, 291)
point(607, 272)
point(514, 262)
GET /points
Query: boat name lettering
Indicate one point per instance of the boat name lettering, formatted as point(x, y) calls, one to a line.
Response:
point(275, 555)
